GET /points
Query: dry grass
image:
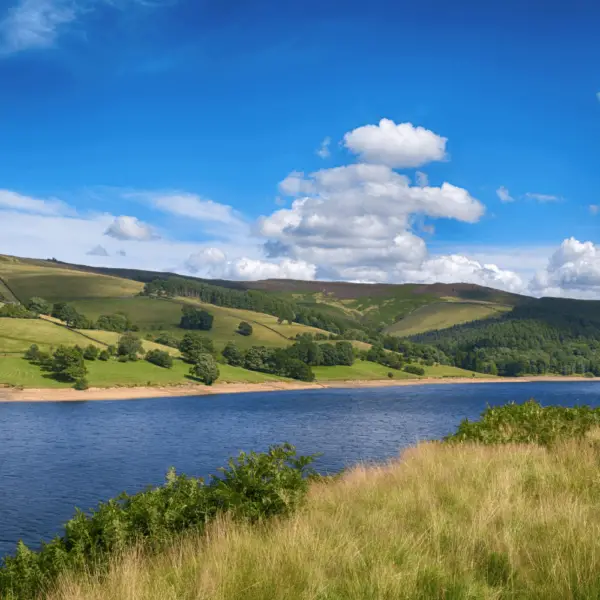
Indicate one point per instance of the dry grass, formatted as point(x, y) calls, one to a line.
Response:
point(448, 522)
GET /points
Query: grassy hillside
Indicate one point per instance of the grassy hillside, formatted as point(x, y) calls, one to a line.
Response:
point(440, 315)
point(16, 371)
point(456, 522)
point(153, 315)
point(54, 283)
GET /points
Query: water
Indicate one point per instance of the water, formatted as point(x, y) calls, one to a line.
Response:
point(54, 456)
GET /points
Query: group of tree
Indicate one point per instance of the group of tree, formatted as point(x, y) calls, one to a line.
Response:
point(555, 337)
point(283, 309)
point(194, 318)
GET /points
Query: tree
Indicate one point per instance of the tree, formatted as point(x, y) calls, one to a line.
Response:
point(329, 355)
point(160, 358)
point(130, 346)
point(39, 306)
point(296, 369)
point(104, 355)
point(65, 312)
point(345, 353)
point(205, 369)
point(167, 339)
point(16, 311)
point(81, 384)
point(285, 313)
point(193, 345)
point(414, 369)
point(91, 352)
point(67, 364)
point(117, 322)
point(33, 353)
point(193, 318)
point(307, 352)
point(244, 328)
point(233, 355)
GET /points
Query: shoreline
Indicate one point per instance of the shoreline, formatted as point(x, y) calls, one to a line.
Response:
point(145, 392)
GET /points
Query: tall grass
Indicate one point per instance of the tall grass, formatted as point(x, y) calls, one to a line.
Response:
point(447, 521)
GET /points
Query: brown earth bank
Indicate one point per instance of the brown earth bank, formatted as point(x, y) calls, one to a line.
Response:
point(8, 394)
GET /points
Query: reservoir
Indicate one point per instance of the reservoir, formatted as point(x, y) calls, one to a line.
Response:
point(58, 455)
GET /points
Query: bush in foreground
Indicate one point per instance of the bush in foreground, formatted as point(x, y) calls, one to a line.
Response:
point(160, 358)
point(251, 488)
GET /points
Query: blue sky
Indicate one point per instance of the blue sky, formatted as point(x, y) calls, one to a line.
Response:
point(157, 134)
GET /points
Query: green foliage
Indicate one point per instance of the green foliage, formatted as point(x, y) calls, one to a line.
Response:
point(16, 311)
point(205, 369)
point(244, 328)
point(233, 355)
point(193, 345)
point(252, 487)
point(39, 306)
point(345, 353)
point(32, 353)
point(67, 363)
point(192, 318)
point(104, 355)
point(118, 322)
point(91, 352)
point(129, 346)
point(65, 312)
point(160, 358)
point(414, 370)
point(527, 423)
point(82, 384)
point(167, 339)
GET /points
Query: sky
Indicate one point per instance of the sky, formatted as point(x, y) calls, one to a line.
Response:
point(373, 142)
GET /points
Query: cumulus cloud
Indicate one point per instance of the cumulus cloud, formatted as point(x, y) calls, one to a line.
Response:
point(213, 262)
point(130, 228)
point(14, 201)
point(192, 206)
point(573, 269)
point(348, 219)
point(98, 251)
point(397, 146)
point(504, 194)
point(323, 150)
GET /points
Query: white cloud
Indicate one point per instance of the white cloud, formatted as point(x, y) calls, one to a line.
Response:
point(542, 197)
point(323, 150)
point(130, 228)
point(15, 201)
point(191, 206)
point(573, 269)
point(594, 209)
point(35, 24)
point(398, 146)
point(98, 251)
point(210, 262)
point(504, 194)
point(421, 179)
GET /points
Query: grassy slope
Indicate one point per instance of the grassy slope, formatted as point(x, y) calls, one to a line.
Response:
point(466, 522)
point(14, 370)
point(55, 284)
point(440, 315)
point(152, 314)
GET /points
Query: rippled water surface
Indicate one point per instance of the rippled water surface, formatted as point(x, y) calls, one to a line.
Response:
point(54, 456)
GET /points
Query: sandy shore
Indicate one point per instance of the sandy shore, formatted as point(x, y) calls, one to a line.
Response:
point(132, 393)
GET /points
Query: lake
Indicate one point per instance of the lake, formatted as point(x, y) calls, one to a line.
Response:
point(54, 456)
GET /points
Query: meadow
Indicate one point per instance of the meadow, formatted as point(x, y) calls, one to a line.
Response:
point(441, 315)
point(447, 521)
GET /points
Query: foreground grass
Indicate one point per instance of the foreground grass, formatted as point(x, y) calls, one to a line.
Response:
point(444, 521)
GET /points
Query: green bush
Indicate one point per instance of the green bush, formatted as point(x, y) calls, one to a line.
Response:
point(104, 355)
point(414, 369)
point(527, 423)
point(244, 328)
point(160, 358)
point(33, 353)
point(130, 346)
point(67, 363)
point(16, 311)
point(205, 369)
point(252, 487)
point(91, 352)
point(81, 384)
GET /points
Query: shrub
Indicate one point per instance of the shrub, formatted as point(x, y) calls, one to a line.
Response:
point(160, 358)
point(251, 488)
point(33, 353)
point(39, 306)
point(205, 369)
point(91, 352)
point(414, 369)
point(81, 384)
point(104, 355)
point(193, 345)
point(244, 328)
point(16, 311)
point(233, 355)
point(130, 346)
point(167, 339)
point(527, 423)
point(67, 363)
point(192, 318)
point(390, 375)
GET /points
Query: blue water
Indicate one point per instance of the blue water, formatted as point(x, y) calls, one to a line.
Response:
point(54, 456)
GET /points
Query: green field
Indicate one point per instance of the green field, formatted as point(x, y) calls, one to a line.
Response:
point(154, 315)
point(55, 283)
point(16, 335)
point(16, 371)
point(360, 370)
point(441, 315)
